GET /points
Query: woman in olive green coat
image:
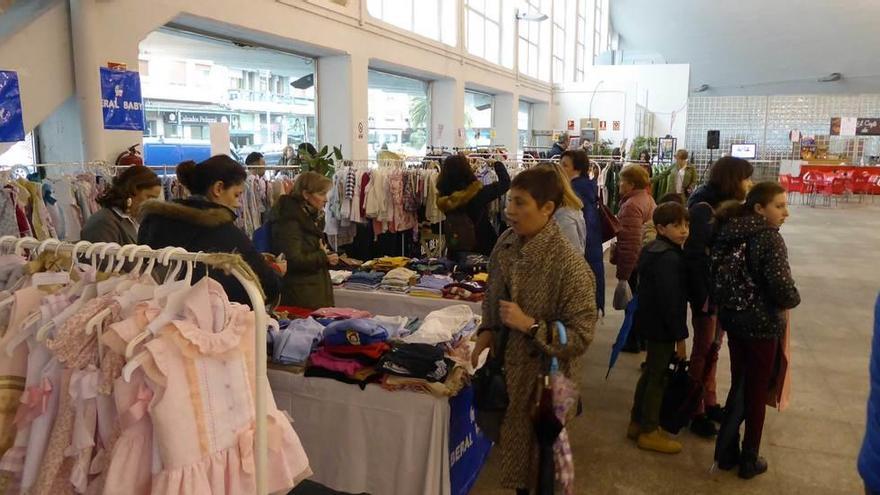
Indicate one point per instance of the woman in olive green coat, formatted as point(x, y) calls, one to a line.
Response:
point(297, 224)
point(680, 178)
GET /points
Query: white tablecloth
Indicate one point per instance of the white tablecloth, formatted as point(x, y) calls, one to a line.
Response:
point(372, 440)
point(390, 304)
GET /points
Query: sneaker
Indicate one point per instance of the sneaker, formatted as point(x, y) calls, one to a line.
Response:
point(715, 413)
point(750, 465)
point(703, 427)
point(659, 441)
point(633, 431)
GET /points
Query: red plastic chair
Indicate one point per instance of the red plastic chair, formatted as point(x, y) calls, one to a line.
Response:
point(832, 190)
point(860, 185)
point(812, 182)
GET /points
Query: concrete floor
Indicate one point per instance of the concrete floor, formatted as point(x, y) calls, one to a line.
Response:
point(811, 447)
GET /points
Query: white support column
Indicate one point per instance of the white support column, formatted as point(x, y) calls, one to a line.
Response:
point(90, 53)
point(342, 104)
point(506, 128)
point(447, 112)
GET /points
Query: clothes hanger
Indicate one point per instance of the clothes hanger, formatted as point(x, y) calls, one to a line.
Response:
point(129, 294)
point(84, 290)
point(19, 245)
point(175, 294)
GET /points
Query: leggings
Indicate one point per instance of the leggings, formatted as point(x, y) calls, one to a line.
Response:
point(753, 362)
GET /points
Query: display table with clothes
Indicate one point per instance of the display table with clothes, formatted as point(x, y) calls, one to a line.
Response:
point(390, 303)
point(385, 400)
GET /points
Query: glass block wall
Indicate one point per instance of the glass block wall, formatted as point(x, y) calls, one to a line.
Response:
point(767, 121)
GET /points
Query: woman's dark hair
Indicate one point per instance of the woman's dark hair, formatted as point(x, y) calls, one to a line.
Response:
point(761, 193)
point(727, 174)
point(455, 175)
point(128, 184)
point(542, 184)
point(253, 157)
point(645, 155)
point(198, 178)
point(579, 160)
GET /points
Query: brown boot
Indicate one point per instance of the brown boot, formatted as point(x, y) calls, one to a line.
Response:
point(659, 441)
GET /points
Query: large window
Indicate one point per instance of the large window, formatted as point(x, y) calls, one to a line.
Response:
point(399, 114)
point(435, 19)
point(601, 28)
point(483, 21)
point(583, 33)
point(478, 116)
point(267, 97)
point(535, 40)
point(524, 124)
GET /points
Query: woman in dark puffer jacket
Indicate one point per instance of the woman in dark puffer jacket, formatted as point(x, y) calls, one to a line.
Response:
point(753, 289)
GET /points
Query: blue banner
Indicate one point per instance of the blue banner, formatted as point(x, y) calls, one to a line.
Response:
point(468, 448)
point(121, 100)
point(11, 121)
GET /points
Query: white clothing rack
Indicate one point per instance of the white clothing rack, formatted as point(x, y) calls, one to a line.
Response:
point(107, 250)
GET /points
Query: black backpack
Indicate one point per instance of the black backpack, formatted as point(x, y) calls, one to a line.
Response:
point(461, 233)
point(733, 285)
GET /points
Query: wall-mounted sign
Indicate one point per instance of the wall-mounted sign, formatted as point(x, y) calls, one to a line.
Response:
point(868, 127)
point(361, 130)
point(11, 120)
point(121, 100)
point(603, 125)
point(202, 118)
point(117, 66)
point(615, 125)
point(571, 125)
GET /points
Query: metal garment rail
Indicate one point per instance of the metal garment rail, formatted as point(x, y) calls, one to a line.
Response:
point(107, 250)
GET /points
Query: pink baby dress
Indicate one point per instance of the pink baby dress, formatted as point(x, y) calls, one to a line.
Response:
point(203, 403)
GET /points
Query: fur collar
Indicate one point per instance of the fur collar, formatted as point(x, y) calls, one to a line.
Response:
point(459, 199)
point(194, 211)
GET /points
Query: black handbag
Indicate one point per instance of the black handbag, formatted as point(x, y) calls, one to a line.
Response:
point(490, 391)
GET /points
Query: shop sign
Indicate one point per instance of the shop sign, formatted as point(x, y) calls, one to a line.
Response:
point(201, 118)
point(868, 127)
point(468, 447)
point(121, 101)
point(169, 117)
point(603, 125)
point(361, 130)
point(11, 120)
point(615, 125)
point(571, 125)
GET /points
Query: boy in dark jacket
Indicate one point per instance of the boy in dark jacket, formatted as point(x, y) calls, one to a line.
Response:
point(662, 313)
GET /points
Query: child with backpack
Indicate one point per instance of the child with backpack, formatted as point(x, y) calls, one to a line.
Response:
point(753, 289)
point(662, 317)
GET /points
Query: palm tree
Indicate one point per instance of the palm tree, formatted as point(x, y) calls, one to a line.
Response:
point(420, 112)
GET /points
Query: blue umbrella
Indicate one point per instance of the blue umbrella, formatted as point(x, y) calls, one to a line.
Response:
point(628, 317)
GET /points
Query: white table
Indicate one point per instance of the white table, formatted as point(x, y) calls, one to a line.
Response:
point(391, 304)
point(372, 440)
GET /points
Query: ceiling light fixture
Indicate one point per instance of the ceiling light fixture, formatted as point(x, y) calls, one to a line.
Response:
point(537, 17)
point(701, 88)
point(834, 76)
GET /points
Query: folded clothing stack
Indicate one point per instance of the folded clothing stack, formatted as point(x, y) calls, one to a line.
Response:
point(338, 277)
point(398, 280)
point(431, 286)
point(387, 263)
point(351, 352)
point(465, 291)
point(365, 281)
point(422, 361)
point(295, 340)
point(340, 313)
point(432, 266)
point(444, 325)
point(357, 331)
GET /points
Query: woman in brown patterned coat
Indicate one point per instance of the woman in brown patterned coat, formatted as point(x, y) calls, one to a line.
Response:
point(536, 278)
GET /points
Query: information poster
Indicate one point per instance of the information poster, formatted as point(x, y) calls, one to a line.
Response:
point(121, 100)
point(11, 120)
